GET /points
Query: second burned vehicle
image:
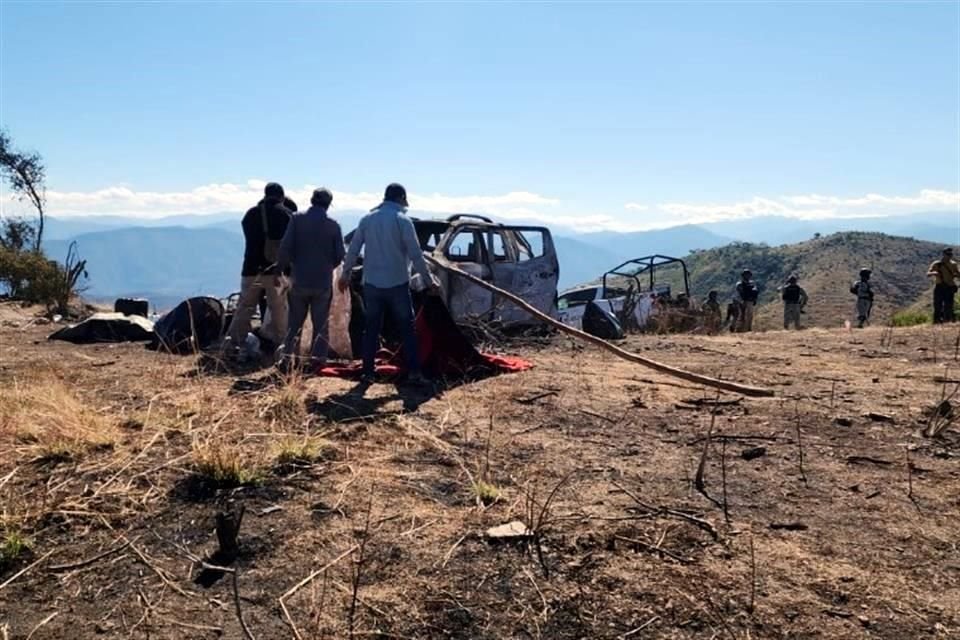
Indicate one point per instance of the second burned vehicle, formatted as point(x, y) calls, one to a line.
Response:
point(634, 292)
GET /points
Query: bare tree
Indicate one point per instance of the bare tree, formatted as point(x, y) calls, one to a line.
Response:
point(25, 174)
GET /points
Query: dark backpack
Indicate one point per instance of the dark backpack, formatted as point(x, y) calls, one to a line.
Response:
point(192, 325)
point(271, 248)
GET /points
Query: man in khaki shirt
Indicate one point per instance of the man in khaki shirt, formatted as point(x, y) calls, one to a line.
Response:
point(945, 273)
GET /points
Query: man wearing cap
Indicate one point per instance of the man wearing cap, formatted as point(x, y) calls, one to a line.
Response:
point(747, 295)
point(945, 273)
point(794, 300)
point(311, 248)
point(389, 242)
point(864, 292)
point(263, 228)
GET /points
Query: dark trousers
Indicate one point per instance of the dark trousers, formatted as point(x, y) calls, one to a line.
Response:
point(397, 302)
point(317, 302)
point(943, 303)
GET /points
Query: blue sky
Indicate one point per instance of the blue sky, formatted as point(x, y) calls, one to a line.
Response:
point(627, 114)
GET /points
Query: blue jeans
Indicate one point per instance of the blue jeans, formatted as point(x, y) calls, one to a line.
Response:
point(397, 302)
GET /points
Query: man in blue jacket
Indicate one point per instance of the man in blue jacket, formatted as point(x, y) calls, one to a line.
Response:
point(311, 248)
point(389, 242)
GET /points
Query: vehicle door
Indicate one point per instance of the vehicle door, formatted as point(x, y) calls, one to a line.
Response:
point(530, 270)
point(465, 247)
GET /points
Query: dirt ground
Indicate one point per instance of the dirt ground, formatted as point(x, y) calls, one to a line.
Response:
point(115, 461)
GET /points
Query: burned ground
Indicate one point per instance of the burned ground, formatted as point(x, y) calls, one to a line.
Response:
point(116, 460)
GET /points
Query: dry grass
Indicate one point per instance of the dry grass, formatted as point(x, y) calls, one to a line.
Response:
point(485, 492)
point(48, 420)
point(298, 452)
point(285, 406)
point(601, 564)
point(226, 466)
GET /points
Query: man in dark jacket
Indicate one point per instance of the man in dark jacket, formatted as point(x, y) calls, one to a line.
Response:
point(263, 228)
point(747, 294)
point(313, 247)
point(262, 303)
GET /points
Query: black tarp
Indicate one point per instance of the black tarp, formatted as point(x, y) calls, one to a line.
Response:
point(107, 327)
point(599, 322)
point(194, 324)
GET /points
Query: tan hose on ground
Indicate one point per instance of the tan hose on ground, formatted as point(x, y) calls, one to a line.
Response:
point(603, 344)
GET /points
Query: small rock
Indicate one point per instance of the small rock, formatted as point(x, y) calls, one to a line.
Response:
point(510, 531)
point(876, 380)
point(878, 417)
point(843, 422)
point(41, 321)
point(864, 620)
point(753, 452)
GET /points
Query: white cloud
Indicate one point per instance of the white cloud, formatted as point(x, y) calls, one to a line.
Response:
point(809, 207)
point(217, 198)
point(515, 205)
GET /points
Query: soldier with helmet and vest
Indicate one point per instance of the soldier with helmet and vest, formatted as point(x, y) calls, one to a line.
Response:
point(794, 300)
point(945, 274)
point(864, 292)
point(747, 294)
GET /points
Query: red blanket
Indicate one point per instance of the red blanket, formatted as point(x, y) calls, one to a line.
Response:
point(444, 351)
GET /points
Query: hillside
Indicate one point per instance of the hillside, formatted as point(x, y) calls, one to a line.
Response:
point(163, 264)
point(826, 267)
point(168, 263)
point(115, 462)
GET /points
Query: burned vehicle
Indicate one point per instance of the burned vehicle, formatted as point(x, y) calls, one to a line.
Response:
point(517, 258)
point(633, 293)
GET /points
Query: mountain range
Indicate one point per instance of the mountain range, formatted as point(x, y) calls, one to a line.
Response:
point(167, 259)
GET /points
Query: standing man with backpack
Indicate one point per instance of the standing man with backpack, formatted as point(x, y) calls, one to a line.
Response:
point(945, 273)
point(794, 300)
point(263, 228)
point(864, 292)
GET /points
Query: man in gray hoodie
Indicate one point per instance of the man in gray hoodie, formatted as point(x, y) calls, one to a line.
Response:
point(312, 247)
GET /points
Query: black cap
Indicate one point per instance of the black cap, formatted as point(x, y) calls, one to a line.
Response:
point(321, 197)
point(948, 250)
point(865, 271)
point(273, 190)
point(395, 192)
point(792, 278)
point(746, 272)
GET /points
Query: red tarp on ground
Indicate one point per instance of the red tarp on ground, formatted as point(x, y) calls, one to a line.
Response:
point(444, 351)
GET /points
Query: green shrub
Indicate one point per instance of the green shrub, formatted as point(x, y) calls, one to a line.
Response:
point(910, 318)
point(31, 277)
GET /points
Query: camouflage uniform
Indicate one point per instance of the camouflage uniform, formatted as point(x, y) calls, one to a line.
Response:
point(794, 300)
point(864, 293)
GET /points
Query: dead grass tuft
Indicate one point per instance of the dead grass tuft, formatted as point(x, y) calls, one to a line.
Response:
point(225, 466)
point(52, 422)
point(297, 453)
point(485, 492)
point(286, 406)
